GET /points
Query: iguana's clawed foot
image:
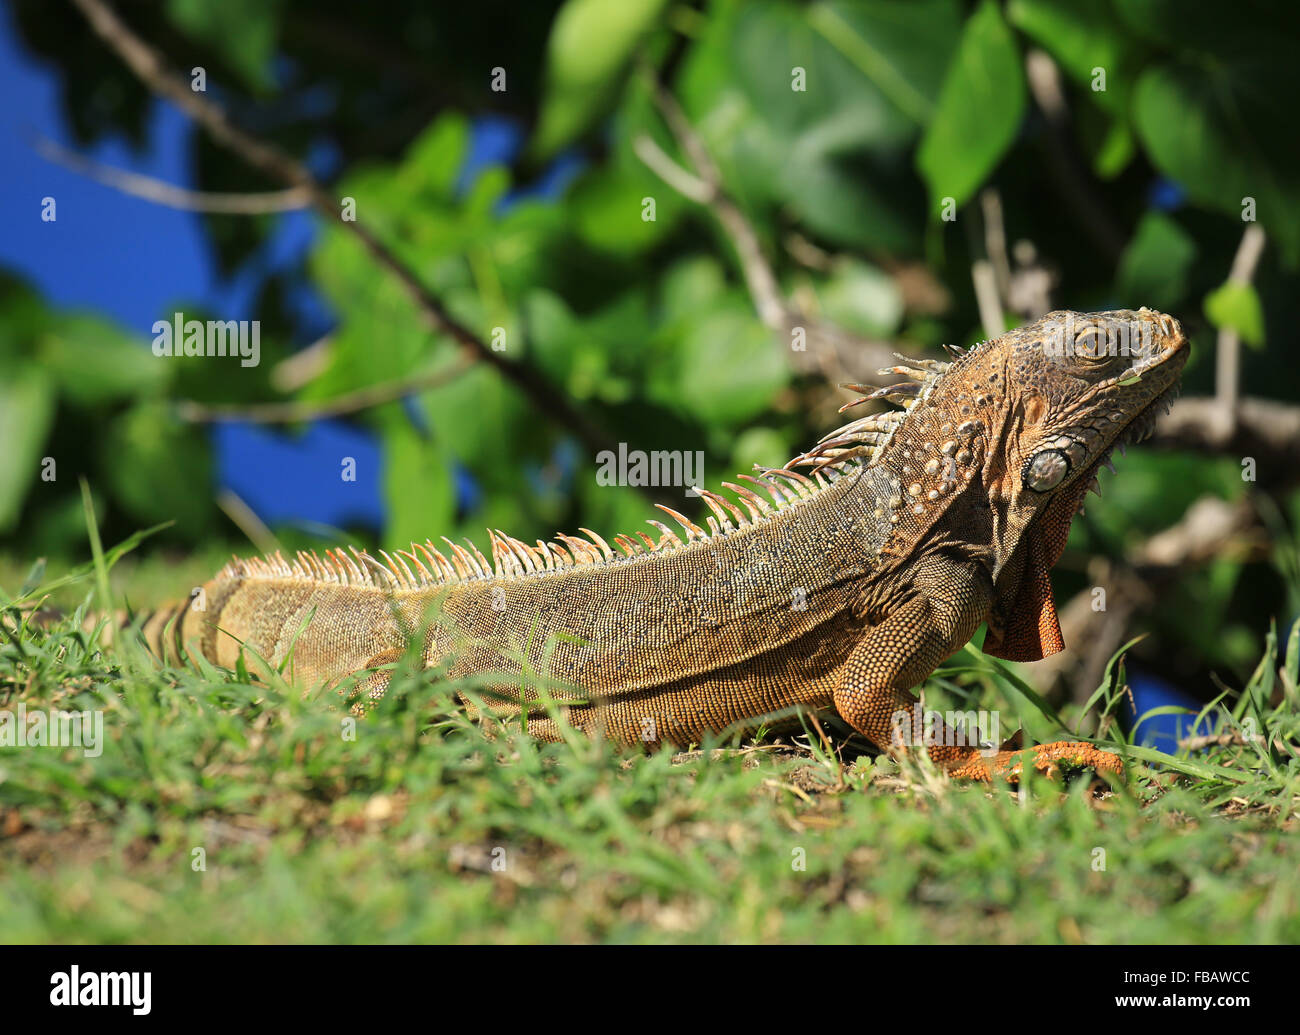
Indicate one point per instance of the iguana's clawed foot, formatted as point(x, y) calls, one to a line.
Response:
point(1048, 759)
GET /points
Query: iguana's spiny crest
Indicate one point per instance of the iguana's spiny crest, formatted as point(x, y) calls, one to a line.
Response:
point(1031, 414)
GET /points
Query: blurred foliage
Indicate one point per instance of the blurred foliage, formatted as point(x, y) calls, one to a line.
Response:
point(646, 325)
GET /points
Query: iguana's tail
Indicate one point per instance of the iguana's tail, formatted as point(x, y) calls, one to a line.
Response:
point(159, 629)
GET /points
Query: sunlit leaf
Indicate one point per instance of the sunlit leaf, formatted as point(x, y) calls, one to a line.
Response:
point(1236, 306)
point(590, 46)
point(979, 110)
point(26, 410)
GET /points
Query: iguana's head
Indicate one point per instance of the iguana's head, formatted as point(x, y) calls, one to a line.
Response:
point(1049, 402)
point(1005, 442)
point(1043, 405)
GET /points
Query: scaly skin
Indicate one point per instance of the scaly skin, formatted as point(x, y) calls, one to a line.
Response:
point(845, 592)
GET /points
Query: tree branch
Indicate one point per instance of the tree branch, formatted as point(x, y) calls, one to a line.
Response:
point(704, 186)
point(169, 195)
point(246, 520)
point(1227, 356)
point(684, 183)
point(306, 409)
point(1264, 429)
point(150, 67)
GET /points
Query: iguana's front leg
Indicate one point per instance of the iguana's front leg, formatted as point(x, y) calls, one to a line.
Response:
point(949, 599)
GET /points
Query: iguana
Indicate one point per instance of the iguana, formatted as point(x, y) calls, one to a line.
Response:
point(842, 587)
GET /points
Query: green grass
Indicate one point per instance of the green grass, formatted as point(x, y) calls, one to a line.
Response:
point(422, 829)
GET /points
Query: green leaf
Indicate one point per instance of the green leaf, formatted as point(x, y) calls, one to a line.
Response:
point(590, 46)
point(979, 110)
point(1104, 687)
point(244, 32)
point(1291, 667)
point(568, 352)
point(434, 159)
point(1115, 152)
point(365, 299)
point(690, 287)
point(93, 362)
point(1153, 270)
point(800, 69)
point(34, 578)
point(159, 469)
point(419, 489)
point(902, 48)
point(1201, 770)
point(1214, 130)
point(482, 198)
point(731, 368)
point(862, 298)
point(1083, 36)
point(607, 210)
point(26, 410)
point(838, 188)
point(1235, 306)
point(24, 317)
point(749, 148)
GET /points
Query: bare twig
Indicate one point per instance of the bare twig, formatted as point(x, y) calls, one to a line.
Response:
point(303, 367)
point(168, 194)
point(986, 297)
point(233, 506)
point(1246, 259)
point(1233, 738)
point(684, 183)
point(1211, 527)
point(1264, 429)
point(705, 187)
point(990, 274)
point(1031, 282)
point(995, 241)
point(804, 252)
point(149, 66)
point(1227, 358)
point(306, 409)
point(763, 287)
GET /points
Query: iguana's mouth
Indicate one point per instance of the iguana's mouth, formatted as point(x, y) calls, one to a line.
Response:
point(1137, 430)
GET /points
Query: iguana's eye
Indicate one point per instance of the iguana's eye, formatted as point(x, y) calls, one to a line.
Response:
point(1091, 343)
point(1046, 470)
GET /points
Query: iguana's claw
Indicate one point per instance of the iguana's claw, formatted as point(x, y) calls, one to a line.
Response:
point(1049, 759)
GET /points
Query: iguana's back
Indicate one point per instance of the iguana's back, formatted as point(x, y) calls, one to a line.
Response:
point(725, 629)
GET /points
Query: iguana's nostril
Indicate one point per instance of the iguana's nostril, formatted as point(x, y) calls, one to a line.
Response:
point(1172, 329)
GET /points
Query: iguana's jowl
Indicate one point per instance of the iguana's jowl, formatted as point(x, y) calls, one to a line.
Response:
point(840, 581)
